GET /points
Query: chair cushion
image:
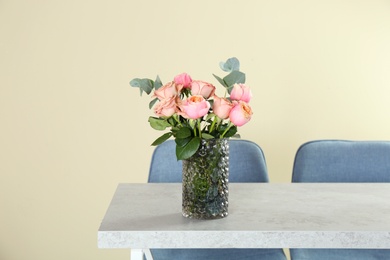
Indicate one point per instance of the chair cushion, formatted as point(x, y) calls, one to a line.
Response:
point(219, 254)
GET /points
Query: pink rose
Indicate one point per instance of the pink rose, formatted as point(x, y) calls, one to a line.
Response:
point(166, 107)
point(202, 88)
point(183, 79)
point(241, 113)
point(167, 91)
point(222, 107)
point(195, 107)
point(241, 92)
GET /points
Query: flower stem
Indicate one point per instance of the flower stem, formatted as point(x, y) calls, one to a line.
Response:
point(200, 130)
point(212, 125)
point(177, 120)
point(227, 129)
point(194, 128)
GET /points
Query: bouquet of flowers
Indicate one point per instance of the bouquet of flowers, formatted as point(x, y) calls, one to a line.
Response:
point(192, 111)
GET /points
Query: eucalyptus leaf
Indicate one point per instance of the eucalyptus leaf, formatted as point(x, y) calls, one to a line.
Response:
point(223, 83)
point(229, 90)
point(151, 104)
point(232, 64)
point(143, 84)
point(157, 83)
point(188, 150)
point(233, 78)
point(162, 139)
point(158, 123)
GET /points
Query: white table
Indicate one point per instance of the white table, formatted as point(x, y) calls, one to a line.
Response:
point(261, 215)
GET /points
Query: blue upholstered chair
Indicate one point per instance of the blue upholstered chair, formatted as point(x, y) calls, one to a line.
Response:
point(246, 164)
point(342, 161)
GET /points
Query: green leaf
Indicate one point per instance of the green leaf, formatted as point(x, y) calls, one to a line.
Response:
point(174, 130)
point(231, 132)
point(143, 84)
point(192, 123)
point(157, 83)
point(183, 132)
point(151, 104)
point(207, 136)
point(210, 116)
point(188, 150)
point(158, 123)
point(221, 81)
point(234, 77)
point(182, 141)
point(232, 64)
point(162, 139)
point(171, 121)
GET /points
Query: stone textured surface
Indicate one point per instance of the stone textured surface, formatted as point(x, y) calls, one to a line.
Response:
point(290, 215)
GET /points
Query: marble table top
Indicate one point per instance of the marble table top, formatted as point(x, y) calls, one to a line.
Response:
point(266, 215)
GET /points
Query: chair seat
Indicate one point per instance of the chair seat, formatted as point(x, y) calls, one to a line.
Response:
point(340, 254)
point(218, 254)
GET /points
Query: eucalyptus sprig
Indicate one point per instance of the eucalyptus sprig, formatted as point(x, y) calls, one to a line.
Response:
point(191, 111)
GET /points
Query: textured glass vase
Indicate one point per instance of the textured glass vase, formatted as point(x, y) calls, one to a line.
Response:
point(205, 181)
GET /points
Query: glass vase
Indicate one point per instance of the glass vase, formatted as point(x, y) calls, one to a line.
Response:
point(205, 181)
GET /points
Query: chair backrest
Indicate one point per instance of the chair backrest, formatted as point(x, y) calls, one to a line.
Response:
point(246, 163)
point(342, 161)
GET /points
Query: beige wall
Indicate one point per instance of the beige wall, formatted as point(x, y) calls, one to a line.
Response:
point(71, 127)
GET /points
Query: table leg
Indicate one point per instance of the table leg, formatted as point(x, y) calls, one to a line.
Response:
point(148, 254)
